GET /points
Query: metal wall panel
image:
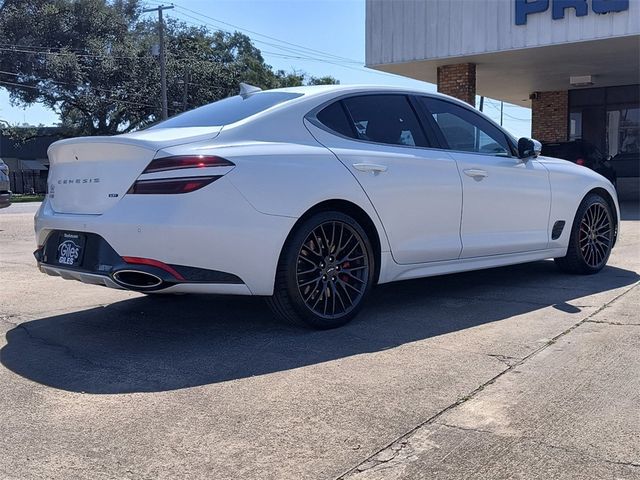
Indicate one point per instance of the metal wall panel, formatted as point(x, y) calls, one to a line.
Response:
point(406, 30)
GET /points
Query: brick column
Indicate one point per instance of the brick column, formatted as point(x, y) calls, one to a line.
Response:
point(550, 116)
point(459, 81)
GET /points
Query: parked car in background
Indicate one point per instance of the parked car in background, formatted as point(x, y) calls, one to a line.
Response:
point(627, 168)
point(5, 193)
point(582, 153)
point(626, 164)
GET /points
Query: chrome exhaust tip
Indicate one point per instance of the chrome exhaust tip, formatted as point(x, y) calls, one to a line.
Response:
point(137, 279)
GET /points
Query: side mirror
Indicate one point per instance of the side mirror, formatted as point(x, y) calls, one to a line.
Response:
point(528, 148)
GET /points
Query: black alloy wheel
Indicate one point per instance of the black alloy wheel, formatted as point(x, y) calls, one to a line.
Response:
point(591, 237)
point(594, 237)
point(325, 272)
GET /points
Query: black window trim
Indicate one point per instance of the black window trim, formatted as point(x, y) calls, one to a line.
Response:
point(432, 133)
point(312, 117)
point(349, 118)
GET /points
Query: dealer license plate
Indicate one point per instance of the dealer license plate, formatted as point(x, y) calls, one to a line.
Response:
point(70, 249)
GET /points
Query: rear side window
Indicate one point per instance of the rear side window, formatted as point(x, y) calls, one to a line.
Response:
point(335, 118)
point(388, 119)
point(228, 110)
point(465, 130)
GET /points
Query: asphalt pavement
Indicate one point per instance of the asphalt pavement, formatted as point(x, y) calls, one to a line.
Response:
point(516, 372)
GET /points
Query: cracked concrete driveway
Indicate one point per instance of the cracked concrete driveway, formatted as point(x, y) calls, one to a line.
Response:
point(518, 372)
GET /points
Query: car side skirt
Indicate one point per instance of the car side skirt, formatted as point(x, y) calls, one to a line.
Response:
point(391, 271)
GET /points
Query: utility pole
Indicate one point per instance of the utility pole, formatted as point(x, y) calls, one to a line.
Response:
point(185, 91)
point(501, 112)
point(163, 72)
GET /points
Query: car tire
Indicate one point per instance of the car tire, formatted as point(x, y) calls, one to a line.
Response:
point(325, 272)
point(591, 238)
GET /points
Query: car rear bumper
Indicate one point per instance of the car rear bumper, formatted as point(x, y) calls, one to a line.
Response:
point(213, 229)
point(100, 264)
point(107, 281)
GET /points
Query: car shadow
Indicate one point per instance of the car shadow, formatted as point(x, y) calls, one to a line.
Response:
point(150, 344)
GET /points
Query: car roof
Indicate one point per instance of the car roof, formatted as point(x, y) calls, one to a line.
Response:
point(320, 93)
point(310, 92)
point(319, 89)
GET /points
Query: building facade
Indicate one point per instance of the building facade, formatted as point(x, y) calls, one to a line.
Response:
point(27, 158)
point(575, 63)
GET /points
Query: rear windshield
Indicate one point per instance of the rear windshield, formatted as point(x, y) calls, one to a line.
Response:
point(229, 110)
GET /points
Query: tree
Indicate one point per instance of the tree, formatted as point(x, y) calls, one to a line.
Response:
point(91, 62)
point(326, 80)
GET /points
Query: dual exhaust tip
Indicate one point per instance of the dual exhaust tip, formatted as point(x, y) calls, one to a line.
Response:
point(137, 279)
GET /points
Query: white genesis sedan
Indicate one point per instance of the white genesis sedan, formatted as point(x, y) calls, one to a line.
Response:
point(312, 195)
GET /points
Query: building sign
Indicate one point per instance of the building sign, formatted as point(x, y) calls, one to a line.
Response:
point(581, 7)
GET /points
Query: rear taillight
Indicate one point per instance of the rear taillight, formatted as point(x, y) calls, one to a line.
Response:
point(171, 185)
point(153, 263)
point(186, 161)
point(160, 186)
point(580, 161)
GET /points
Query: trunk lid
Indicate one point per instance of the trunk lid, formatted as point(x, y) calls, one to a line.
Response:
point(88, 175)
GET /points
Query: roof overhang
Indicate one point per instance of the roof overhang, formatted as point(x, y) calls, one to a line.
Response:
point(512, 75)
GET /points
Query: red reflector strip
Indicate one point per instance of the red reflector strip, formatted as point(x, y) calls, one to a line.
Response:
point(580, 161)
point(154, 263)
point(186, 161)
point(171, 185)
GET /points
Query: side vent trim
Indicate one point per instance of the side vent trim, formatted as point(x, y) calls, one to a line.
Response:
point(557, 229)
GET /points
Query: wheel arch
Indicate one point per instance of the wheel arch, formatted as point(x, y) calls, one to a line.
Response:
point(357, 213)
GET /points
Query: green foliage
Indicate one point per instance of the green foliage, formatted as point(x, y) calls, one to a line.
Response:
point(91, 62)
point(326, 80)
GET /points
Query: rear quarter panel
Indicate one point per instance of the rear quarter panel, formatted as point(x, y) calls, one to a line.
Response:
point(282, 170)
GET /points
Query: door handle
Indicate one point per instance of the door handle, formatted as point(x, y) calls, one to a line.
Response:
point(476, 173)
point(370, 167)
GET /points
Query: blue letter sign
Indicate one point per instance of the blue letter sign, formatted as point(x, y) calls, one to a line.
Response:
point(606, 6)
point(526, 7)
point(581, 7)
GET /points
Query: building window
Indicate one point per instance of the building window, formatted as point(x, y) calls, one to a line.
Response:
point(623, 130)
point(609, 119)
point(575, 126)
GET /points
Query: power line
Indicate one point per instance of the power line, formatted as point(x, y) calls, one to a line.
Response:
point(506, 114)
point(360, 68)
point(2, 44)
point(36, 87)
point(59, 82)
point(216, 27)
point(227, 65)
point(291, 44)
point(296, 50)
point(35, 52)
point(113, 92)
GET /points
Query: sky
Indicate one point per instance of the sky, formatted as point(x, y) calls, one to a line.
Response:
point(332, 28)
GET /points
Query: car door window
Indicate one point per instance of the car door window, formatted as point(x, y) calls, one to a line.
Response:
point(388, 119)
point(464, 130)
point(335, 118)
